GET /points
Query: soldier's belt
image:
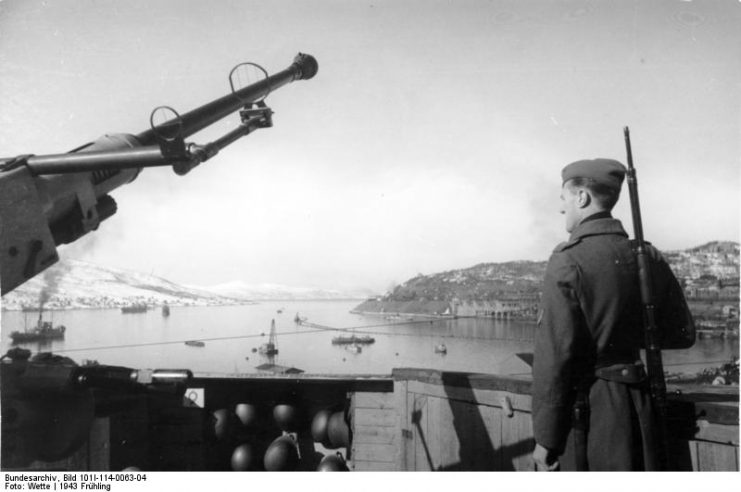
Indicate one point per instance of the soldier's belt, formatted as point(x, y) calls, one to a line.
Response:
point(630, 373)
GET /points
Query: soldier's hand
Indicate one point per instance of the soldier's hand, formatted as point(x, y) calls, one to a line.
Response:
point(545, 460)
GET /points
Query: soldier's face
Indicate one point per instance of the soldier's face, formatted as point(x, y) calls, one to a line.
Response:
point(570, 207)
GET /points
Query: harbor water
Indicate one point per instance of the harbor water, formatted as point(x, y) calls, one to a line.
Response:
point(232, 335)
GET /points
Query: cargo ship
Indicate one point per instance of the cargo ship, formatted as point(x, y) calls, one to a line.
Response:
point(135, 308)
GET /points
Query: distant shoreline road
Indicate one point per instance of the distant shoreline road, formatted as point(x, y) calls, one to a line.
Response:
point(403, 315)
point(420, 308)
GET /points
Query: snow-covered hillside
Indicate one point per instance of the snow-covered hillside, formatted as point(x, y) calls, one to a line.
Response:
point(74, 284)
point(77, 284)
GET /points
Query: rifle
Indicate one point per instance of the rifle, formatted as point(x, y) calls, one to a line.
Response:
point(48, 200)
point(654, 364)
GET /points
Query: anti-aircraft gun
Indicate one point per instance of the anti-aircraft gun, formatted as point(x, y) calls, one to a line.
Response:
point(50, 200)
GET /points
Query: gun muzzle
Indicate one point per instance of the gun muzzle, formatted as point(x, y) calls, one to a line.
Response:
point(303, 67)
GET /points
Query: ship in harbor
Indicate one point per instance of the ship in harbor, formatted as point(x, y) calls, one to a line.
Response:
point(44, 330)
point(271, 347)
point(135, 308)
point(353, 340)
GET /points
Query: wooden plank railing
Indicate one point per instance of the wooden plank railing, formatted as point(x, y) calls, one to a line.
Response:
point(463, 421)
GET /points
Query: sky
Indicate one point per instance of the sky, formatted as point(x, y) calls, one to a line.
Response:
point(431, 139)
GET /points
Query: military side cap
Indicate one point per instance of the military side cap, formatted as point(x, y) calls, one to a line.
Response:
point(607, 172)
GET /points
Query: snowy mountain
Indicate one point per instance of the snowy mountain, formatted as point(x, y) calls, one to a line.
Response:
point(262, 292)
point(74, 284)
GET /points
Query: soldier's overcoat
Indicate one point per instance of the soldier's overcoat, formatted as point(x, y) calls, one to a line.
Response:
point(592, 318)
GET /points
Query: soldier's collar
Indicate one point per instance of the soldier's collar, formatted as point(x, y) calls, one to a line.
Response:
point(604, 214)
point(593, 226)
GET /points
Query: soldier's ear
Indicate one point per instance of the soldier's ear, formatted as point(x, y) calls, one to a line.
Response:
point(583, 198)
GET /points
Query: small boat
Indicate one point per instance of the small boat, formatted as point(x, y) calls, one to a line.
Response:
point(134, 308)
point(353, 340)
point(195, 343)
point(279, 311)
point(441, 349)
point(44, 330)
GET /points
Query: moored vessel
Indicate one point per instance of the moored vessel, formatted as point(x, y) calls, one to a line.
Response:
point(44, 330)
point(135, 308)
point(271, 348)
point(353, 340)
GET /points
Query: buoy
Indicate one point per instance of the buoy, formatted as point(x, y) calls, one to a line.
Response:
point(243, 457)
point(319, 426)
point(247, 414)
point(281, 455)
point(338, 432)
point(287, 417)
point(332, 462)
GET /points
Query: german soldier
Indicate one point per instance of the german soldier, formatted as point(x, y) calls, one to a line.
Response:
point(591, 404)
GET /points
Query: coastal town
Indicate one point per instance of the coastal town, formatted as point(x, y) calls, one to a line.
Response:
point(709, 275)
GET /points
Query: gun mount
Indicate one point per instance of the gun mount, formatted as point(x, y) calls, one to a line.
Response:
point(49, 200)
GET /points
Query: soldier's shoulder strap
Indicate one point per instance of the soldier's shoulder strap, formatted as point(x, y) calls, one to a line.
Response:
point(653, 253)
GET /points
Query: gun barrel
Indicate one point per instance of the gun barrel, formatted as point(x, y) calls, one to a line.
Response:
point(50, 200)
point(303, 67)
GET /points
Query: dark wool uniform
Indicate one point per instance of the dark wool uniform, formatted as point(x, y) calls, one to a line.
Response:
point(590, 326)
